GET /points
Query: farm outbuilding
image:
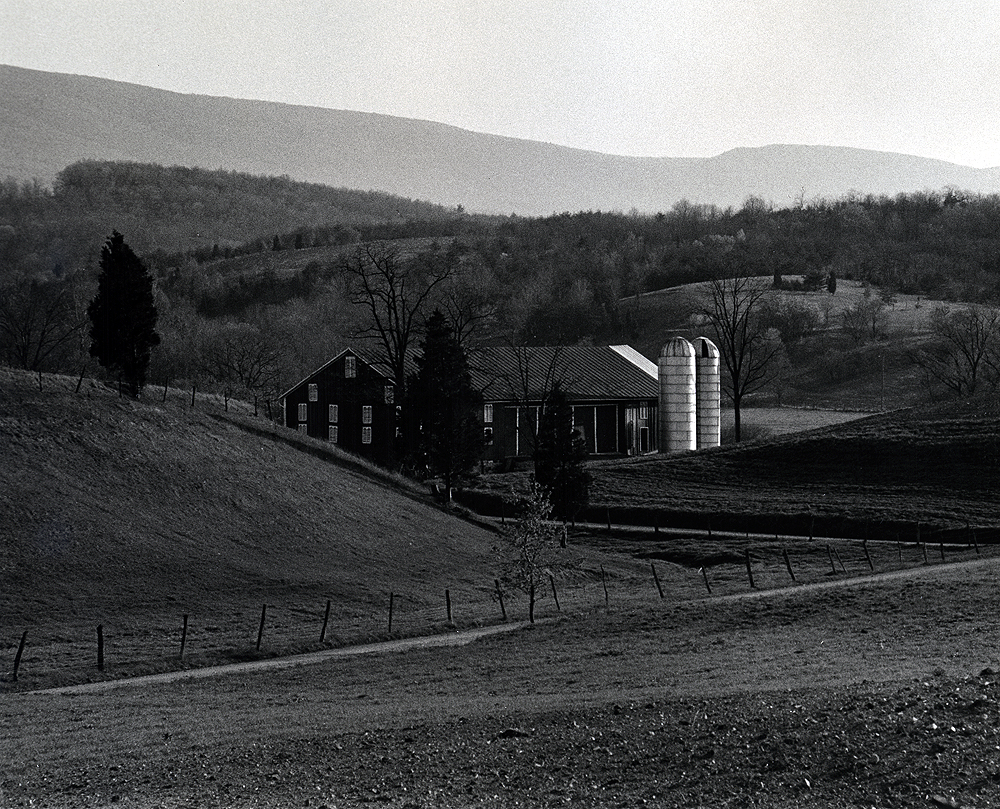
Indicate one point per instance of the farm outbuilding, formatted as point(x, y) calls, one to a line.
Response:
point(351, 402)
point(619, 399)
point(613, 391)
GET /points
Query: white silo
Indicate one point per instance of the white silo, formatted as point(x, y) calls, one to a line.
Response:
point(706, 363)
point(678, 427)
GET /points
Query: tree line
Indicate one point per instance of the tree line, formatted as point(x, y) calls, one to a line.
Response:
point(242, 324)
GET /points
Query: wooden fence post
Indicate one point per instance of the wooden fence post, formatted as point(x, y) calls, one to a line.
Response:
point(392, 598)
point(864, 544)
point(20, 651)
point(829, 552)
point(555, 595)
point(709, 526)
point(184, 634)
point(704, 575)
point(656, 580)
point(260, 629)
point(100, 647)
point(503, 609)
point(604, 581)
point(531, 602)
point(788, 563)
point(841, 561)
point(942, 549)
point(923, 547)
point(447, 603)
point(326, 620)
point(194, 389)
point(609, 518)
point(975, 542)
point(746, 556)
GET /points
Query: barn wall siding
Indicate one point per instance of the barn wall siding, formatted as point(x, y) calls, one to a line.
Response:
point(351, 395)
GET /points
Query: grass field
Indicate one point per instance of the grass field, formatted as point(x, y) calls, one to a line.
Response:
point(853, 684)
point(937, 466)
point(131, 514)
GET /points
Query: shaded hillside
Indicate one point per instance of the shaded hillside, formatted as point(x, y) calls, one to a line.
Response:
point(181, 213)
point(51, 120)
point(111, 510)
point(940, 465)
point(937, 466)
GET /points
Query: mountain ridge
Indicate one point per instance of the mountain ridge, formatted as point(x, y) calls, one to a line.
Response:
point(54, 119)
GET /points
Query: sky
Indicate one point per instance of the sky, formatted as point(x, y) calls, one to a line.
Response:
point(665, 78)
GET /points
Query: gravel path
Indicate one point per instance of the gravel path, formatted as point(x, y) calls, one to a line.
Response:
point(404, 644)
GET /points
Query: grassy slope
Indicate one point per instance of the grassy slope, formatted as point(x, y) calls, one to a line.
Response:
point(938, 465)
point(829, 369)
point(132, 513)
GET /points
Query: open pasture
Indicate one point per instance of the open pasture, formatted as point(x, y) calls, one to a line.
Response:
point(878, 692)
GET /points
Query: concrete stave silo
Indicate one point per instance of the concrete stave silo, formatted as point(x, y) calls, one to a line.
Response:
point(678, 394)
point(708, 393)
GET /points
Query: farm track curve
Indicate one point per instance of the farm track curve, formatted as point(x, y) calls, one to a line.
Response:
point(463, 637)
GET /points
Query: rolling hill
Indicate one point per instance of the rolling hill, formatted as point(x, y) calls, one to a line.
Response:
point(131, 513)
point(51, 120)
point(879, 477)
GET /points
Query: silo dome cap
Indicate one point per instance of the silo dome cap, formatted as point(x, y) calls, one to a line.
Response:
point(706, 348)
point(677, 347)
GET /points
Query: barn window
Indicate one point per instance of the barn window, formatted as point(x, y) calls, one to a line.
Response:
point(303, 411)
point(350, 367)
point(313, 392)
point(366, 435)
point(488, 414)
point(488, 436)
point(334, 414)
point(303, 428)
point(390, 394)
point(366, 414)
point(333, 434)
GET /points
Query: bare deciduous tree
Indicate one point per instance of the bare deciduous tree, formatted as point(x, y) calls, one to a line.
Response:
point(532, 548)
point(536, 372)
point(964, 352)
point(865, 320)
point(732, 308)
point(38, 321)
point(241, 355)
point(394, 290)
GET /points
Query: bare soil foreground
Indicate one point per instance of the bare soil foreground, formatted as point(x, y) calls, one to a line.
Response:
point(876, 692)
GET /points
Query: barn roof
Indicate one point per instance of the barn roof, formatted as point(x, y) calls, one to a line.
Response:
point(367, 357)
point(505, 373)
point(509, 373)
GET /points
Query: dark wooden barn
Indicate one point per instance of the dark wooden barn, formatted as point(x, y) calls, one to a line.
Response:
point(351, 402)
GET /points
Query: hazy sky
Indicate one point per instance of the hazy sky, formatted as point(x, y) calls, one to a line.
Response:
point(673, 78)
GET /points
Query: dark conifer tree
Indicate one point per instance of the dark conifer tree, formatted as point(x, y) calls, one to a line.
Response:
point(559, 455)
point(445, 405)
point(123, 314)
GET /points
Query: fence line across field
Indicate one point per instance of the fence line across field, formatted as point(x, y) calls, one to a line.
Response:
point(286, 627)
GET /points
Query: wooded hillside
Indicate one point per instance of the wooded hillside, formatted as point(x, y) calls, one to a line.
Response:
point(263, 264)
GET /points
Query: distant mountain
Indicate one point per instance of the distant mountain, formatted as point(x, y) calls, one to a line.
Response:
point(50, 120)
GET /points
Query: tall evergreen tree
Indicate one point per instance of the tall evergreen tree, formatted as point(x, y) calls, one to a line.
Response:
point(560, 451)
point(445, 405)
point(123, 314)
